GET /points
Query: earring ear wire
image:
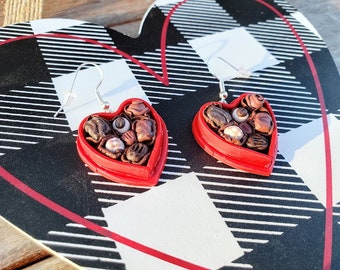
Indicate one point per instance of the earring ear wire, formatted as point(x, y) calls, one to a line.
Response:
point(68, 95)
point(242, 73)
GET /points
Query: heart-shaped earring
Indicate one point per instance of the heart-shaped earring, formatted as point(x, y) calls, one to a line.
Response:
point(242, 134)
point(128, 146)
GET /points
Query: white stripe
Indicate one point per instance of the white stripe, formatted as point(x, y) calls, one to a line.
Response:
point(119, 192)
point(27, 97)
point(110, 183)
point(286, 190)
point(98, 218)
point(90, 258)
point(78, 246)
point(27, 109)
point(176, 158)
point(35, 129)
point(111, 201)
point(280, 206)
point(32, 116)
point(26, 135)
point(34, 93)
point(32, 122)
point(54, 57)
point(235, 220)
point(57, 51)
point(248, 240)
point(258, 213)
point(241, 230)
point(177, 166)
point(259, 196)
point(79, 235)
point(29, 103)
point(18, 141)
point(10, 147)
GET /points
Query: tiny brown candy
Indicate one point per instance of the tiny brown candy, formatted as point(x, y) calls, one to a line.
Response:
point(97, 128)
point(216, 116)
point(145, 130)
point(111, 146)
point(246, 128)
point(121, 124)
point(257, 142)
point(137, 153)
point(232, 133)
point(263, 123)
point(252, 102)
point(240, 114)
point(129, 137)
point(136, 108)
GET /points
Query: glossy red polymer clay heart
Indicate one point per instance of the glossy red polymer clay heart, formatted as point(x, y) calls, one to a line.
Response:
point(122, 170)
point(237, 156)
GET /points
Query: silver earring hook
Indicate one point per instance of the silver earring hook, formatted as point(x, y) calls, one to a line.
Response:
point(216, 71)
point(67, 98)
point(213, 68)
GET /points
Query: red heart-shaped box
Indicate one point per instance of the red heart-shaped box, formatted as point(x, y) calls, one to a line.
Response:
point(233, 155)
point(122, 172)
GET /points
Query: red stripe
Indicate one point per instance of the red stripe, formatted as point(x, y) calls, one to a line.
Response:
point(164, 41)
point(327, 258)
point(92, 226)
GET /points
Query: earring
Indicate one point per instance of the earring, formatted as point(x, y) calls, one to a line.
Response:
point(241, 134)
point(128, 146)
point(68, 95)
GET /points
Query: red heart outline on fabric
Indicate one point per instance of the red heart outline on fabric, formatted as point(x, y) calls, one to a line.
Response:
point(122, 172)
point(236, 156)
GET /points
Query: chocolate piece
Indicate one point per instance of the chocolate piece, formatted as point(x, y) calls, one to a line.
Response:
point(246, 128)
point(121, 124)
point(257, 142)
point(216, 116)
point(145, 129)
point(137, 153)
point(97, 128)
point(112, 146)
point(240, 114)
point(136, 108)
point(233, 134)
point(263, 123)
point(129, 137)
point(252, 102)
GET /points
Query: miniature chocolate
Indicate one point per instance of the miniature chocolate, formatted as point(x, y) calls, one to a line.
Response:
point(145, 129)
point(97, 128)
point(121, 124)
point(257, 142)
point(240, 114)
point(137, 153)
point(232, 133)
point(252, 102)
point(136, 108)
point(129, 137)
point(216, 116)
point(246, 128)
point(263, 123)
point(112, 146)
